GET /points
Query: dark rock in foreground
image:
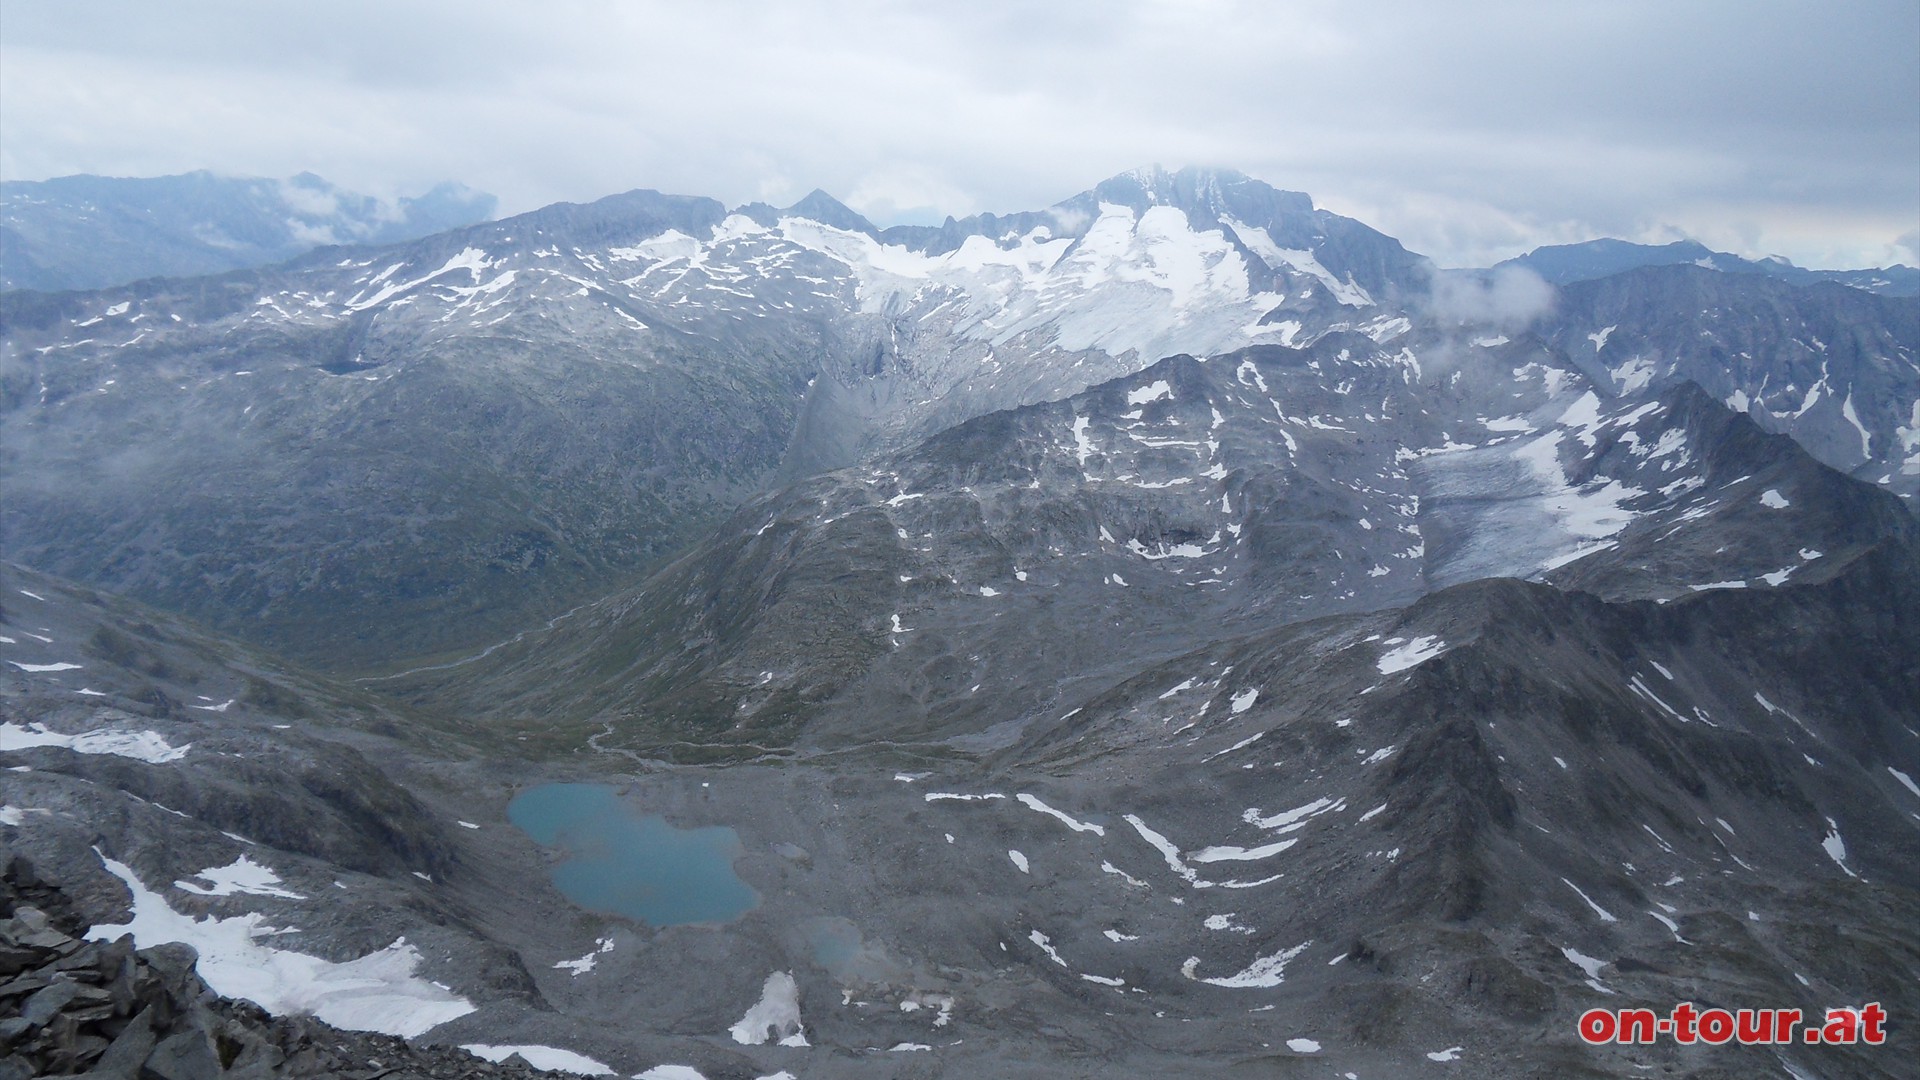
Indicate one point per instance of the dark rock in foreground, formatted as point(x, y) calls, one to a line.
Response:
point(104, 1009)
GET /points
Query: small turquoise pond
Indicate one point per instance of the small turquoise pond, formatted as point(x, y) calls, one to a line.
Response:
point(625, 863)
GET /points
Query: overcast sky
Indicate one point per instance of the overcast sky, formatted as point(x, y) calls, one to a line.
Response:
point(1471, 130)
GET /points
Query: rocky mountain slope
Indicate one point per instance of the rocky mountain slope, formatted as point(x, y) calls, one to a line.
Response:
point(1354, 841)
point(475, 432)
point(95, 232)
point(947, 590)
point(1655, 774)
point(1836, 368)
point(496, 421)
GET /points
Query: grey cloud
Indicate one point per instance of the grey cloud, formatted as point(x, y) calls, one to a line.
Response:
point(1508, 299)
point(1906, 248)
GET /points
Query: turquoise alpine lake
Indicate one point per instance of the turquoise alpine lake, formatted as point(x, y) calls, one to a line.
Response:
point(622, 862)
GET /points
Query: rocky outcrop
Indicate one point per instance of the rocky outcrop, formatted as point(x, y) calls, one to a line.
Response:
point(104, 1009)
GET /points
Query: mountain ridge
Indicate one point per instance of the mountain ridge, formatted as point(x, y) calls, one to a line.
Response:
point(1565, 264)
point(586, 388)
point(863, 352)
point(90, 232)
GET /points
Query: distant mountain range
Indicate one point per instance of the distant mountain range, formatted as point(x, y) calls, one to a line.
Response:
point(578, 391)
point(582, 390)
point(92, 232)
point(1565, 264)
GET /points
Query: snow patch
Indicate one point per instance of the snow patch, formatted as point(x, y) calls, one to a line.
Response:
point(1508, 423)
point(243, 875)
point(1866, 440)
point(1293, 820)
point(541, 1057)
point(1588, 964)
point(1264, 971)
point(377, 992)
point(1046, 946)
point(1634, 375)
point(1227, 853)
point(776, 1016)
point(1905, 780)
point(1413, 653)
point(144, 746)
point(586, 963)
point(1083, 446)
point(1153, 391)
point(1033, 803)
point(1836, 848)
point(1605, 915)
